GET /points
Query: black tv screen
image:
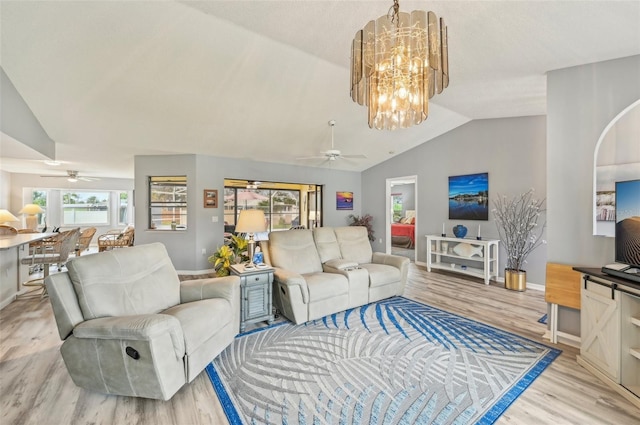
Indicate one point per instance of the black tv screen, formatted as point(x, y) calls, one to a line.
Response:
point(628, 222)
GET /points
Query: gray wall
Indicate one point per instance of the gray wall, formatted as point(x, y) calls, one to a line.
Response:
point(17, 120)
point(511, 150)
point(581, 101)
point(208, 172)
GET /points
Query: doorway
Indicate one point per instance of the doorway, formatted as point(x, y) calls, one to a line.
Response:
point(401, 217)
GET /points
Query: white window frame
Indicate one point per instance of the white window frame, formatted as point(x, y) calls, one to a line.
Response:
point(107, 203)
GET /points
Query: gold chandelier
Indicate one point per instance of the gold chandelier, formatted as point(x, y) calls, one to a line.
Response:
point(398, 62)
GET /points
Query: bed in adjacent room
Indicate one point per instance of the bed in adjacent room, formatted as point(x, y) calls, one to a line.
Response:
point(403, 233)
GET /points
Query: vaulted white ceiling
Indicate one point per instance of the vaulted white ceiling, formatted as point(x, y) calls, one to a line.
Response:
point(261, 79)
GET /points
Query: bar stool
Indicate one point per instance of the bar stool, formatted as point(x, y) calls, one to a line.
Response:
point(55, 250)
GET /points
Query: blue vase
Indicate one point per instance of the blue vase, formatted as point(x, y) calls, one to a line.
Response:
point(460, 231)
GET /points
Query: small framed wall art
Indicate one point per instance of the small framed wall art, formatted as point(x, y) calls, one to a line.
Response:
point(211, 198)
point(606, 205)
point(344, 200)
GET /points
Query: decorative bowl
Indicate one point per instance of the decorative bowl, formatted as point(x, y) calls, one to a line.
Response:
point(460, 231)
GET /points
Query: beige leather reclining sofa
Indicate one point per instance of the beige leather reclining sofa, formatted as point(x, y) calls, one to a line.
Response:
point(330, 269)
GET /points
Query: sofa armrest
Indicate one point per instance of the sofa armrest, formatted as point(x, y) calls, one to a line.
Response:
point(64, 302)
point(340, 264)
point(227, 287)
point(401, 263)
point(291, 279)
point(396, 261)
point(143, 327)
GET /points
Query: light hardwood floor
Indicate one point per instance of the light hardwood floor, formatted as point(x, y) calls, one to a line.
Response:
point(36, 389)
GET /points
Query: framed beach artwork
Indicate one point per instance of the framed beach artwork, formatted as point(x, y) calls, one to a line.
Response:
point(469, 197)
point(344, 200)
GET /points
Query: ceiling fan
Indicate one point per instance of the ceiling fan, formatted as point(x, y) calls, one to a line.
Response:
point(253, 184)
point(249, 184)
point(332, 154)
point(73, 177)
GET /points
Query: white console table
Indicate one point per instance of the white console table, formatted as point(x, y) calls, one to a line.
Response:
point(485, 266)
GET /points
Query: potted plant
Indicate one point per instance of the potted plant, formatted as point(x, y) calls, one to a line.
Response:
point(235, 252)
point(517, 222)
point(366, 221)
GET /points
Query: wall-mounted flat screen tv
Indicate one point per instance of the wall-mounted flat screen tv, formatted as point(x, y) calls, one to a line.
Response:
point(628, 223)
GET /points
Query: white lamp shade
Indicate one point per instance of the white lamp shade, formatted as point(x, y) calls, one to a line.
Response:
point(251, 221)
point(6, 217)
point(31, 209)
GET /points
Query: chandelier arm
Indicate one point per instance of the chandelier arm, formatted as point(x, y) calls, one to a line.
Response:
point(332, 123)
point(393, 12)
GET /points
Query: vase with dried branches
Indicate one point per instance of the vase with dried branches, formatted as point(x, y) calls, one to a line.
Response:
point(520, 233)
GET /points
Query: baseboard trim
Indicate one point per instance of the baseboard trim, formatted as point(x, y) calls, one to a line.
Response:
point(11, 298)
point(7, 301)
point(534, 286)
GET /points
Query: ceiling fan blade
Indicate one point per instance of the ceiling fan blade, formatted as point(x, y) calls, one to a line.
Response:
point(83, 178)
point(302, 158)
point(359, 156)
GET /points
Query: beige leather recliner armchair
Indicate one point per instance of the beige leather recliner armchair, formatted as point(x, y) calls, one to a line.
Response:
point(131, 328)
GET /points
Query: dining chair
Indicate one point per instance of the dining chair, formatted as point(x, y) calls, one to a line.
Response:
point(84, 240)
point(6, 230)
point(54, 250)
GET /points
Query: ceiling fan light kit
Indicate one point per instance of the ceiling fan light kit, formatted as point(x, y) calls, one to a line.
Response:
point(398, 62)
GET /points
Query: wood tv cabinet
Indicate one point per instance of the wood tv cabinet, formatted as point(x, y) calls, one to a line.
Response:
point(610, 331)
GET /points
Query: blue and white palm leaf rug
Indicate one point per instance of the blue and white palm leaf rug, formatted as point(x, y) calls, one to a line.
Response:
point(392, 362)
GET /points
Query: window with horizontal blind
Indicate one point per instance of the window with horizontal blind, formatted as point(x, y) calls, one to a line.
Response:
point(168, 202)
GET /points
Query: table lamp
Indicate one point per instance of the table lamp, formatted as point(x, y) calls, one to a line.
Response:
point(30, 210)
point(313, 216)
point(250, 222)
point(7, 217)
